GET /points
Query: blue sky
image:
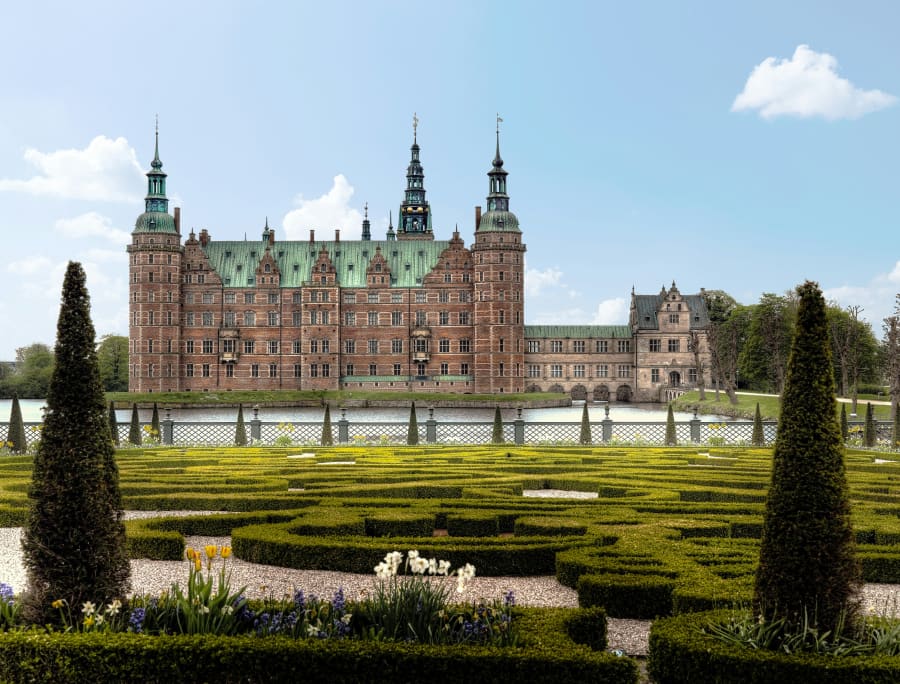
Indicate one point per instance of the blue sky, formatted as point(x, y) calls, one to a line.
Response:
point(744, 148)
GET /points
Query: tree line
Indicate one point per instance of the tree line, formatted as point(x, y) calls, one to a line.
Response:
point(749, 345)
point(29, 376)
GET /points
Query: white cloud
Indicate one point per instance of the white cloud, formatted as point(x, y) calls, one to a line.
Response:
point(806, 85)
point(90, 225)
point(536, 281)
point(877, 297)
point(324, 214)
point(611, 312)
point(30, 265)
point(106, 170)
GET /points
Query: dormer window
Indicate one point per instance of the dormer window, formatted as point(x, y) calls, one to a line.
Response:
point(267, 268)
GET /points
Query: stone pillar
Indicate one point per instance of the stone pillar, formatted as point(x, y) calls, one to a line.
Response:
point(167, 428)
point(431, 427)
point(607, 425)
point(519, 428)
point(343, 428)
point(695, 428)
point(255, 425)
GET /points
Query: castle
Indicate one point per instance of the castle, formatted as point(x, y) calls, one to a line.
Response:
point(406, 313)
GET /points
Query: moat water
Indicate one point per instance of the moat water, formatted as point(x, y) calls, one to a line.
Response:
point(624, 413)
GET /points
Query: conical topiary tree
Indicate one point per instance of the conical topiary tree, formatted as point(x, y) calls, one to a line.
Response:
point(412, 434)
point(758, 438)
point(134, 432)
point(74, 539)
point(845, 426)
point(327, 439)
point(895, 433)
point(240, 432)
point(155, 431)
point(497, 431)
point(869, 427)
point(807, 562)
point(585, 436)
point(16, 439)
point(113, 424)
point(671, 435)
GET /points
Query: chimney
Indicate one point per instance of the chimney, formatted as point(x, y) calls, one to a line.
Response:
point(312, 236)
point(271, 236)
point(204, 237)
point(337, 234)
point(477, 217)
point(178, 220)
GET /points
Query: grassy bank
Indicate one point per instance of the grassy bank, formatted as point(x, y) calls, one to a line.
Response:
point(769, 406)
point(317, 398)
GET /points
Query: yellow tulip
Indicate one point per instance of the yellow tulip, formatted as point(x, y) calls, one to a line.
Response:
point(58, 603)
point(198, 566)
point(226, 551)
point(210, 551)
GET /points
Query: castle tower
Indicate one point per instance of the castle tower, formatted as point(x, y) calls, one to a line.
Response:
point(499, 290)
point(154, 289)
point(415, 213)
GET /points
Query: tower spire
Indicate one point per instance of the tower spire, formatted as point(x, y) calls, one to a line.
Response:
point(415, 213)
point(366, 226)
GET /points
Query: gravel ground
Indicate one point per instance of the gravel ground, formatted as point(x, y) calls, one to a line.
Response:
point(629, 636)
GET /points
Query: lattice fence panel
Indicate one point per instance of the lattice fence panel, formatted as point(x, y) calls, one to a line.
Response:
point(640, 433)
point(206, 434)
point(568, 433)
point(4, 431)
point(376, 433)
point(298, 433)
point(469, 433)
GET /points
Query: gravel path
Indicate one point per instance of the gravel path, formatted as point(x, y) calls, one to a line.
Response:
point(629, 636)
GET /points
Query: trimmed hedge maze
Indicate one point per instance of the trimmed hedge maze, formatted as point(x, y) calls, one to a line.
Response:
point(671, 530)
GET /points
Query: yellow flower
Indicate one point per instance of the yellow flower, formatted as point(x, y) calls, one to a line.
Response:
point(89, 621)
point(226, 551)
point(58, 603)
point(189, 553)
point(210, 551)
point(197, 565)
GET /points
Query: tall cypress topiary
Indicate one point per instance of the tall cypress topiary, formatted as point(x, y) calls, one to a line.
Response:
point(497, 431)
point(671, 434)
point(134, 432)
point(240, 432)
point(16, 439)
point(327, 439)
point(154, 423)
point(74, 539)
point(412, 434)
point(585, 436)
point(113, 424)
point(895, 433)
point(869, 430)
point(758, 438)
point(845, 426)
point(807, 563)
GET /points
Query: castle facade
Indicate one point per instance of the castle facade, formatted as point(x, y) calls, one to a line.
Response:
point(406, 313)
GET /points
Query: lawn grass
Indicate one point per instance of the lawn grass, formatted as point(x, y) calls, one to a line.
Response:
point(769, 406)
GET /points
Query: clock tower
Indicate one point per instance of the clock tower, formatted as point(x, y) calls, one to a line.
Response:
point(415, 212)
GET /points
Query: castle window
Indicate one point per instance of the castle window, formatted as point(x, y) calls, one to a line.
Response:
point(602, 370)
point(556, 370)
point(249, 298)
point(373, 318)
point(149, 346)
point(578, 370)
point(654, 375)
point(349, 369)
point(254, 370)
point(372, 297)
point(464, 318)
point(373, 369)
point(655, 345)
point(189, 370)
point(674, 345)
point(273, 346)
point(444, 318)
point(534, 346)
point(445, 369)
point(296, 318)
point(296, 347)
point(692, 375)
point(273, 318)
point(578, 346)
point(227, 253)
point(396, 369)
point(273, 298)
point(229, 370)
point(421, 296)
point(448, 278)
point(208, 298)
point(207, 346)
point(229, 297)
point(624, 371)
point(444, 347)
point(624, 346)
point(297, 371)
point(534, 371)
point(396, 346)
point(324, 318)
point(556, 346)
point(189, 318)
point(502, 345)
point(373, 346)
point(249, 346)
point(396, 318)
point(249, 318)
point(149, 258)
point(150, 277)
point(673, 318)
point(189, 347)
point(465, 346)
point(267, 268)
point(207, 318)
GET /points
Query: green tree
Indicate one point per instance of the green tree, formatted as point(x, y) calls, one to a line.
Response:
point(113, 424)
point(891, 355)
point(895, 432)
point(845, 426)
point(671, 434)
point(74, 539)
point(720, 306)
point(807, 563)
point(854, 350)
point(134, 431)
point(758, 438)
point(327, 439)
point(112, 355)
point(869, 429)
point(240, 432)
point(764, 354)
point(155, 430)
point(585, 436)
point(30, 378)
point(412, 433)
point(497, 431)
point(18, 442)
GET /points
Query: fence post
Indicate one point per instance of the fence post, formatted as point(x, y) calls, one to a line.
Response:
point(255, 425)
point(343, 428)
point(431, 427)
point(607, 425)
point(167, 428)
point(519, 428)
point(695, 428)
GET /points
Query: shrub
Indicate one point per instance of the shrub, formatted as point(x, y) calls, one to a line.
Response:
point(327, 439)
point(845, 427)
point(807, 563)
point(642, 597)
point(497, 431)
point(113, 424)
point(585, 436)
point(671, 435)
point(134, 431)
point(758, 438)
point(869, 431)
point(74, 540)
point(240, 431)
point(412, 433)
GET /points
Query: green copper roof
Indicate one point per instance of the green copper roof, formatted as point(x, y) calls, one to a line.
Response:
point(155, 222)
point(499, 221)
point(646, 307)
point(577, 332)
point(409, 261)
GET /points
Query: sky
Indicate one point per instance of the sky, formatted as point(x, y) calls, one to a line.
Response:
point(745, 147)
